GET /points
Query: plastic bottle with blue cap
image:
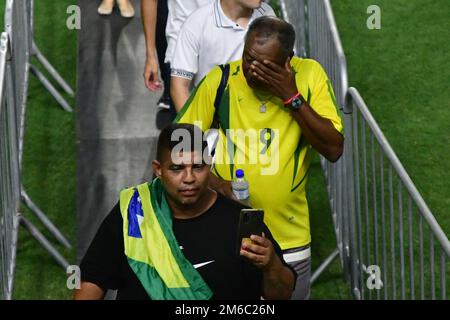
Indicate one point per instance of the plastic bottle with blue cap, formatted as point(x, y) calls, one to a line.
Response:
point(240, 188)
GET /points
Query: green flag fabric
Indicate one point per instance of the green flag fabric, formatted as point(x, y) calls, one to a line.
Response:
point(151, 248)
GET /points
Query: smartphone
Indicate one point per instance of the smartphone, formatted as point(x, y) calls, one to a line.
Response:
point(251, 221)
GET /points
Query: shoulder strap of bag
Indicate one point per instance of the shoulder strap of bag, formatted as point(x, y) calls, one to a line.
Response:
point(220, 91)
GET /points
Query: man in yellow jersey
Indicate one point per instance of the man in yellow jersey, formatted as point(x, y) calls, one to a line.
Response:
point(274, 108)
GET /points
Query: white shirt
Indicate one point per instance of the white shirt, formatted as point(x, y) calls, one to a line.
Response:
point(179, 10)
point(209, 38)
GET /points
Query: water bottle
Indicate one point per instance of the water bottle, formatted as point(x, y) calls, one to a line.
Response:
point(240, 188)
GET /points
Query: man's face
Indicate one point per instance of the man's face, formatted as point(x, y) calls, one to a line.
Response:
point(185, 176)
point(249, 4)
point(258, 49)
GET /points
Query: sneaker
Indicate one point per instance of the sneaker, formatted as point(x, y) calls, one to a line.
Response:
point(163, 103)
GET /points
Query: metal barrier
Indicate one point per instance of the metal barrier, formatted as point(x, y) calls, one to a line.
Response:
point(391, 227)
point(360, 231)
point(294, 12)
point(9, 176)
point(17, 46)
point(18, 25)
point(324, 45)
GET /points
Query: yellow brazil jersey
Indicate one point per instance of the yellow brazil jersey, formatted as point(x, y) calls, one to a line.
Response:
point(266, 142)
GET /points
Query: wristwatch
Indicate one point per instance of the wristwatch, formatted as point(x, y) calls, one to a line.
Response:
point(295, 104)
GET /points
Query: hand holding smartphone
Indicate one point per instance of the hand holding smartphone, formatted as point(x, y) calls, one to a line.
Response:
point(251, 222)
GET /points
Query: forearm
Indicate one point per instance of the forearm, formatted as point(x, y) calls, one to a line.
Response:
point(278, 282)
point(148, 12)
point(319, 132)
point(88, 291)
point(179, 91)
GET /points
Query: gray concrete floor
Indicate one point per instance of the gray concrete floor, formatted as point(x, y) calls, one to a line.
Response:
point(117, 118)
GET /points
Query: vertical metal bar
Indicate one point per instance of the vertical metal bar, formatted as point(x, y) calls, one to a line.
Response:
point(14, 183)
point(358, 199)
point(391, 212)
point(411, 249)
point(421, 260)
point(304, 23)
point(311, 27)
point(12, 267)
point(366, 200)
point(350, 187)
point(8, 153)
point(3, 171)
point(316, 24)
point(433, 277)
point(346, 209)
point(337, 178)
point(374, 203)
point(383, 227)
point(3, 209)
point(401, 240)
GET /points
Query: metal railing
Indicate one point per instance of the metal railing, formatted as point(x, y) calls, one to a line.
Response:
point(294, 12)
point(391, 227)
point(325, 46)
point(19, 27)
point(9, 176)
point(370, 208)
point(17, 46)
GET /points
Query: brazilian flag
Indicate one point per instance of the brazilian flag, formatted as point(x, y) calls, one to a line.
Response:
point(152, 251)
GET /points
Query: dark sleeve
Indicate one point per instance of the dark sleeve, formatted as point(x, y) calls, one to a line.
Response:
point(101, 263)
point(279, 252)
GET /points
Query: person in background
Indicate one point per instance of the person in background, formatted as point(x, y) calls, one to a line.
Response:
point(154, 18)
point(213, 34)
point(162, 21)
